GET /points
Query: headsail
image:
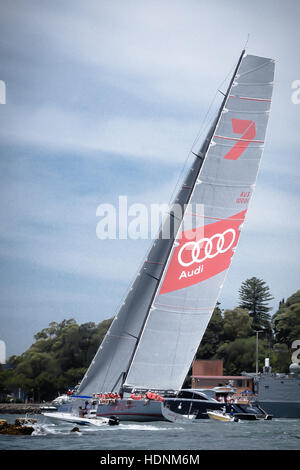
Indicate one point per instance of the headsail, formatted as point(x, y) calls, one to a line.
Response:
point(198, 262)
point(153, 338)
point(111, 362)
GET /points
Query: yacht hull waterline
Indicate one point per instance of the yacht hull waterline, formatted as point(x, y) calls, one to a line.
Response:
point(174, 409)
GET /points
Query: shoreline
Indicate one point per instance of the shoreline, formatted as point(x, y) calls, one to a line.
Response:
point(21, 408)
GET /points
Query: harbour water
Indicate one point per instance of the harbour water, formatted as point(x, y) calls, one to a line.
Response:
point(277, 434)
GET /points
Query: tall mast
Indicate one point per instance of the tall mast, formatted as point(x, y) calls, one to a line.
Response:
point(201, 155)
point(159, 325)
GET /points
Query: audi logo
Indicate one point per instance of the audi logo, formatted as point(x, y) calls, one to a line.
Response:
point(194, 248)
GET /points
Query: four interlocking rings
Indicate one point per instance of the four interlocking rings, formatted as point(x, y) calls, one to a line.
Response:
point(207, 243)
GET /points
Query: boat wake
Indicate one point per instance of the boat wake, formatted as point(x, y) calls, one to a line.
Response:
point(44, 430)
point(50, 429)
point(147, 427)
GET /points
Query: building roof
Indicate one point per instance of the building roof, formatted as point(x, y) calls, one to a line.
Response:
point(220, 377)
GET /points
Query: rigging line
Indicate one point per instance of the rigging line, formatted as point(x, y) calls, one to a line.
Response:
point(182, 171)
point(209, 108)
point(108, 334)
point(115, 318)
point(110, 362)
point(139, 269)
point(201, 130)
point(130, 284)
point(117, 310)
point(117, 381)
point(247, 40)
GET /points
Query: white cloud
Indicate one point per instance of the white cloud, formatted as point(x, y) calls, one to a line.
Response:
point(135, 80)
point(178, 55)
point(141, 137)
point(273, 211)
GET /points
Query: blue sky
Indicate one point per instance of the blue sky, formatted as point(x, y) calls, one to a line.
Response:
point(105, 99)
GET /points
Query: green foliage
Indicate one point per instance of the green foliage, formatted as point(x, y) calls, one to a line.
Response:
point(231, 336)
point(56, 361)
point(240, 355)
point(280, 358)
point(62, 352)
point(286, 321)
point(212, 336)
point(3, 377)
point(254, 296)
point(237, 324)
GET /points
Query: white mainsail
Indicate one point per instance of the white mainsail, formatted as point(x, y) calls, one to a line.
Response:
point(153, 339)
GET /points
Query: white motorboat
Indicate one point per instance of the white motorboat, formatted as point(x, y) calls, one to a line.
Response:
point(176, 417)
point(90, 419)
point(219, 415)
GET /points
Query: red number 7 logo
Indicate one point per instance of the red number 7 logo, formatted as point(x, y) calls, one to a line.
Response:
point(248, 131)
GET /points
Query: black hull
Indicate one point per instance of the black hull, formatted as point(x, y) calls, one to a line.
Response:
point(199, 408)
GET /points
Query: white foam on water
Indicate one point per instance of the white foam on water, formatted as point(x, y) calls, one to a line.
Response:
point(42, 430)
point(63, 428)
point(146, 427)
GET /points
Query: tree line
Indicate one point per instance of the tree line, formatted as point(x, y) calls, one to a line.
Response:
point(231, 334)
point(61, 353)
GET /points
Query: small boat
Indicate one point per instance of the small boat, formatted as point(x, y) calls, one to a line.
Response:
point(176, 417)
point(253, 416)
point(90, 419)
point(221, 416)
point(199, 401)
point(48, 408)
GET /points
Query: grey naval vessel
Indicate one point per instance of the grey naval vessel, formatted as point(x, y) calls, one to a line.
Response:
point(279, 394)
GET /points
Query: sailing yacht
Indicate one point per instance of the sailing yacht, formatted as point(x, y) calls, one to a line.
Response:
point(154, 336)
